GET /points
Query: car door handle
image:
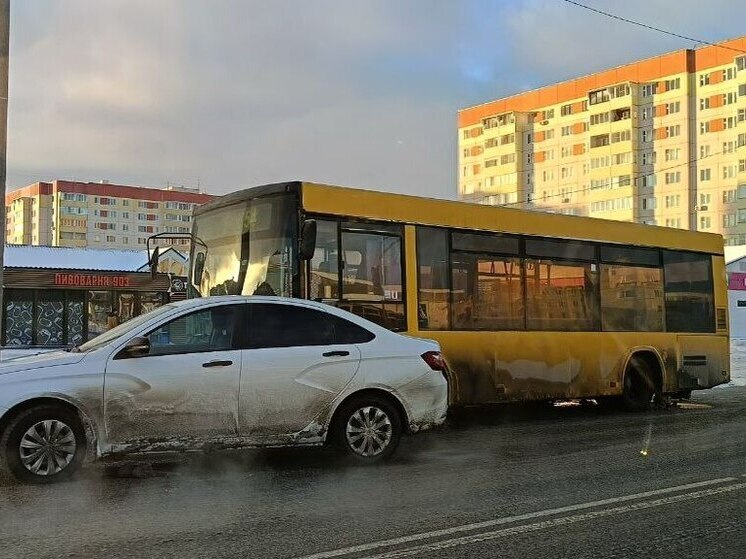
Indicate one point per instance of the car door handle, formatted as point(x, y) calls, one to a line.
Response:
point(336, 354)
point(217, 363)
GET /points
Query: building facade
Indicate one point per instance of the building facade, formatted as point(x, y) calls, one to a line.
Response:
point(59, 296)
point(100, 215)
point(658, 141)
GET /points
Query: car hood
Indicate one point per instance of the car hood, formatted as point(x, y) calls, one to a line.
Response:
point(40, 361)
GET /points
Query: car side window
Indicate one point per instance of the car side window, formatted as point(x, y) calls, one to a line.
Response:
point(276, 325)
point(210, 329)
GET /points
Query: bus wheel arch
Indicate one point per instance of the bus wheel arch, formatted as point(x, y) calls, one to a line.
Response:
point(643, 380)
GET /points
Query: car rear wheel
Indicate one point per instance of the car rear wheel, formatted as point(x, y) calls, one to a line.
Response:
point(368, 429)
point(44, 444)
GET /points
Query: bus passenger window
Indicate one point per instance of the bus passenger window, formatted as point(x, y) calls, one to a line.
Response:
point(561, 295)
point(432, 278)
point(631, 298)
point(324, 266)
point(689, 292)
point(487, 292)
point(372, 278)
point(372, 267)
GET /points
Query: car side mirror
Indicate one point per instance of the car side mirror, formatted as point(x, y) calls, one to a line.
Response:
point(136, 347)
point(307, 239)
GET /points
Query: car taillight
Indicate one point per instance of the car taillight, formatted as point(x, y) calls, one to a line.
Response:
point(435, 361)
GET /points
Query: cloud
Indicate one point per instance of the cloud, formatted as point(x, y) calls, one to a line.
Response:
point(232, 93)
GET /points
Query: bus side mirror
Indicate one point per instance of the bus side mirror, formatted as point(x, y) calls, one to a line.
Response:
point(199, 267)
point(307, 239)
point(154, 258)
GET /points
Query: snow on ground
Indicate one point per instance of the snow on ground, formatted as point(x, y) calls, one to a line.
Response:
point(737, 362)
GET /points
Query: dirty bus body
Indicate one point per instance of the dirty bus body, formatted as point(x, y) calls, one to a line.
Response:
point(526, 305)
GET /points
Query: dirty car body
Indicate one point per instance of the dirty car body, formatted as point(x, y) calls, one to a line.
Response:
point(232, 371)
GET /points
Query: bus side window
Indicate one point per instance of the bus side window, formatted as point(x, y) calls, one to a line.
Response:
point(433, 269)
point(324, 266)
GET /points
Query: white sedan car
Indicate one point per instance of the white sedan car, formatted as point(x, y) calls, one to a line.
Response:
point(220, 372)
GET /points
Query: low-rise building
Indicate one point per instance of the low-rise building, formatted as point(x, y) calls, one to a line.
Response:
point(102, 215)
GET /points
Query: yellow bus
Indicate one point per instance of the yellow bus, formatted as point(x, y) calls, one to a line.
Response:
point(526, 305)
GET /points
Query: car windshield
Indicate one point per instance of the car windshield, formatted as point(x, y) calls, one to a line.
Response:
point(123, 329)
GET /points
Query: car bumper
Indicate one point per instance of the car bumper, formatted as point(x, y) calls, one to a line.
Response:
point(426, 401)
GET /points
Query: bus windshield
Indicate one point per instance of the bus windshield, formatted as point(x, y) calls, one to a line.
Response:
point(246, 248)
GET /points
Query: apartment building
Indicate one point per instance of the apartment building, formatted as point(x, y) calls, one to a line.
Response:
point(87, 214)
point(659, 141)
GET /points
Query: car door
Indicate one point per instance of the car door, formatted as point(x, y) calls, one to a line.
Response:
point(297, 360)
point(184, 389)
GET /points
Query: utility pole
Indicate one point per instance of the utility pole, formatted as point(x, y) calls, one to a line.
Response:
point(4, 56)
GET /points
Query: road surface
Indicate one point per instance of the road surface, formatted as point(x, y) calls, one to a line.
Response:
point(525, 482)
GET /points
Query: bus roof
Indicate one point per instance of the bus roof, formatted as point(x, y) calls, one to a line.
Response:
point(383, 206)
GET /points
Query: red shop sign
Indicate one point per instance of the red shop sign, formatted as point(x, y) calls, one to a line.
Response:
point(90, 280)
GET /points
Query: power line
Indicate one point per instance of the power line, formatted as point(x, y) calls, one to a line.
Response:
point(651, 27)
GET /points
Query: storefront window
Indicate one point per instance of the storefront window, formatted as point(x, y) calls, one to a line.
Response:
point(149, 300)
point(99, 309)
point(50, 316)
point(75, 317)
point(19, 306)
point(125, 307)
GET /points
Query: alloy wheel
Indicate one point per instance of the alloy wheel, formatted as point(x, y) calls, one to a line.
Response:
point(47, 447)
point(368, 431)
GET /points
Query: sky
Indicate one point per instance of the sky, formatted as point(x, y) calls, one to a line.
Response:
point(228, 94)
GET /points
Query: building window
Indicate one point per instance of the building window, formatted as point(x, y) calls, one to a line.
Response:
point(705, 174)
point(672, 154)
point(704, 79)
point(729, 220)
point(704, 103)
point(600, 140)
point(729, 196)
point(110, 239)
point(673, 177)
point(649, 89)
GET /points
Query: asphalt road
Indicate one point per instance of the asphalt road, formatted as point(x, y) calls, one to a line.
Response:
point(520, 482)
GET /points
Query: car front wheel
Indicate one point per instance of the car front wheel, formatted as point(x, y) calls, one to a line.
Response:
point(369, 429)
point(44, 444)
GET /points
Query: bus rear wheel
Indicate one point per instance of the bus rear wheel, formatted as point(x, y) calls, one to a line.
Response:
point(639, 386)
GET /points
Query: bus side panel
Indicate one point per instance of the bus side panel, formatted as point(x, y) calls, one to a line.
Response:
point(704, 361)
point(491, 367)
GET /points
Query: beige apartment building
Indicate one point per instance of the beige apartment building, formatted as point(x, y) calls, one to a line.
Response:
point(103, 215)
point(659, 141)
